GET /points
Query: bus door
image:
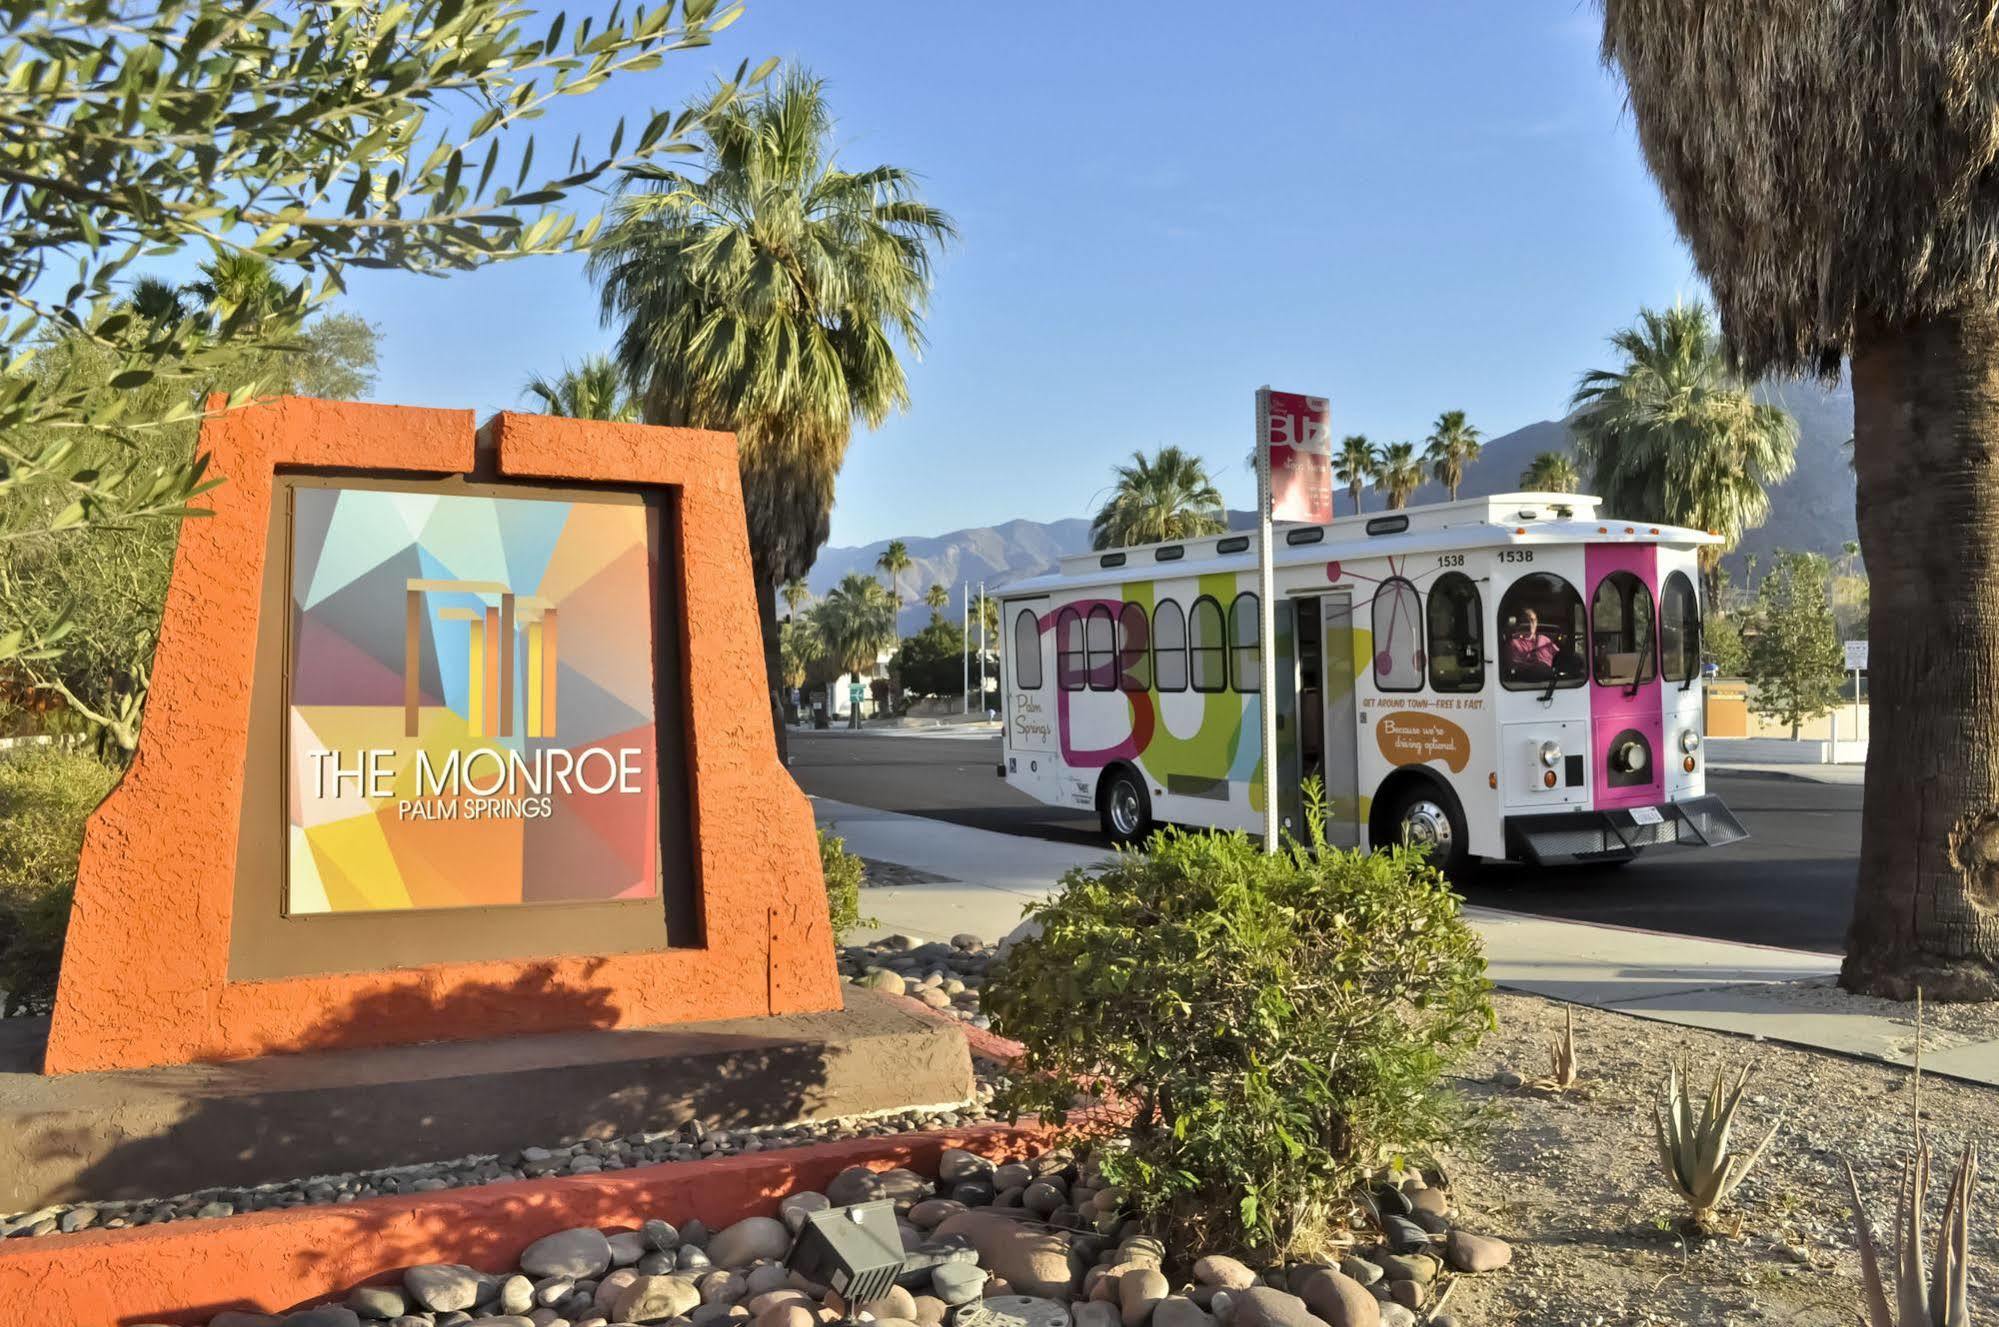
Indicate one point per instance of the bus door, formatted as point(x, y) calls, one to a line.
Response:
point(1324, 707)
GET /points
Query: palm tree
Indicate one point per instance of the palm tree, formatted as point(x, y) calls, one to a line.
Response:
point(857, 620)
point(1401, 474)
point(938, 599)
point(159, 301)
point(1551, 472)
point(1837, 200)
point(771, 293)
point(1164, 496)
point(1452, 445)
point(240, 290)
point(894, 560)
point(1675, 435)
point(594, 389)
point(801, 645)
point(1357, 464)
point(794, 592)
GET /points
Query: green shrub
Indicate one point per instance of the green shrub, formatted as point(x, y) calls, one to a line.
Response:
point(45, 797)
point(1281, 1025)
point(844, 874)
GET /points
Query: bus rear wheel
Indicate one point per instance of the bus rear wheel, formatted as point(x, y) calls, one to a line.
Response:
point(1427, 819)
point(1125, 808)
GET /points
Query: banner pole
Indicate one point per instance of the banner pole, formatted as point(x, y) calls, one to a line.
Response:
point(1266, 608)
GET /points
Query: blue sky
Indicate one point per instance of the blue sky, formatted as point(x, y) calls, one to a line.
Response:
point(1407, 208)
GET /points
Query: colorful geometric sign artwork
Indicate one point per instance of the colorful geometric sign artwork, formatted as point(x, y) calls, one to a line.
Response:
point(470, 702)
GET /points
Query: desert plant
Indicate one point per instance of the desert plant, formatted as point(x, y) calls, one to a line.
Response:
point(1279, 1023)
point(844, 875)
point(45, 797)
point(1694, 1148)
point(1564, 1062)
point(1924, 1297)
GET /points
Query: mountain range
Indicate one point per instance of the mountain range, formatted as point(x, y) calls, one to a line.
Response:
point(1811, 510)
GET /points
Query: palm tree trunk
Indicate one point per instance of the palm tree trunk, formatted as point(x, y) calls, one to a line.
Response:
point(773, 658)
point(1926, 449)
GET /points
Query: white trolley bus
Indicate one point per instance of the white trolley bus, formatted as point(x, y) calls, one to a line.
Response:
point(1506, 677)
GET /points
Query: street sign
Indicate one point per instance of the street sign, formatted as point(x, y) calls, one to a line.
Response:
point(1856, 656)
point(1295, 435)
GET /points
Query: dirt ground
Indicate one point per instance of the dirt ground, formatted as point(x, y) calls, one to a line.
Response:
point(1573, 1181)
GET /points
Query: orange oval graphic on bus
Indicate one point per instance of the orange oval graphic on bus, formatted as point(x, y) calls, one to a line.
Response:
point(1413, 739)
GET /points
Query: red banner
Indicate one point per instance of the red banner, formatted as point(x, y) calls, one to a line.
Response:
point(1297, 435)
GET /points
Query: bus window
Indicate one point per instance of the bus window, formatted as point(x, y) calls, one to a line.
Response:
point(1134, 658)
point(1245, 653)
point(1069, 670)
point(1100, 649)
point(1542, 634)
point(1210, 656)
point(1027, 651)
point(1679, 629)
point(1169, 647)
point(1457, 656)
point(1398, 636)
point(1621, 631)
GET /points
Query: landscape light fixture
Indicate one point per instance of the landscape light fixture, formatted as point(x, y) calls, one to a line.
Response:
point(857, 1250)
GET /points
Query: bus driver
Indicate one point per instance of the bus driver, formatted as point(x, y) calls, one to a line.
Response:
point(1531, 653)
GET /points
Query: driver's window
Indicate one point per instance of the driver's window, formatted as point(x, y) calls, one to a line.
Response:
point(1457, 656)
point(1541, 634)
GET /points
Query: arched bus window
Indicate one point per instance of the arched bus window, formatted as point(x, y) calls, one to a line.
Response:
point(1679, 629)
point(1208, 646)
point(1100, 649)
point(1134, 655)
point(1457, 649)
point(1169, 647)
point(1398, 636)
point(1621, 641)
point(1027, 651)
point(1245, 650)
point(1541, 634)
point(1069, 670)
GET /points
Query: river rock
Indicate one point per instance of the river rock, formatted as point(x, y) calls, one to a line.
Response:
point(1179, 1311)
point(1476, 1253)
point(660, 1236)
point(378, 1302)
point(957, 1165)
point(795, 1208)
point(1361, 1270)
point(931, 1212)
point(1093, 1313)
point(1409, 1267)
point(1437, 1202)
point(1033, 1262)
point(1394, 1315)
point(327, 1315)
point(1043, 1197)
point(442, 1287)
point(583, 1252)
point(958, 1282)
point(881, 979)
point(721, 1287)
point(1338, 1298)
point(627, 1247)
point(655, 1299)
point(855, 1184)
point(752, 1239)
point(1138, 1293)
point(605, 1297)
point(787, 1315)
point(1409, 1294)
point(1260, 1306)
point(1221, 1270)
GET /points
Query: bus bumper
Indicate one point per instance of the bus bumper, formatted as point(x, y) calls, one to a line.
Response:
point(1587, 836)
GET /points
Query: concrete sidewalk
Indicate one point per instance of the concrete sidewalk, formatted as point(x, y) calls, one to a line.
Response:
point(1777, 758)
point(984, 880)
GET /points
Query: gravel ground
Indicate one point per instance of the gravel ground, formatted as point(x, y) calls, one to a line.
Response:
point(1573, 1181)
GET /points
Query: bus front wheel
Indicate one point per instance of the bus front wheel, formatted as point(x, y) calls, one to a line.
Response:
point(1426, 819)
point(1125, 808)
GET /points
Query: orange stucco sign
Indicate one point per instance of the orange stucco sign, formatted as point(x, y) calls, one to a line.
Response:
point(186, 864)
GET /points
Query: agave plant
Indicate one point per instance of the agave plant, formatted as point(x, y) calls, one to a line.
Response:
point(1924, 1297)
point(1564, 1062)
point(1694, 1146)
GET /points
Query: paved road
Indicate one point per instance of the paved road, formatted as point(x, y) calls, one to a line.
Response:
point(1791, 883)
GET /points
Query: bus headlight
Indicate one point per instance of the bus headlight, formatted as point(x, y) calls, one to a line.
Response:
point(1690, 741)
point(1551, 754)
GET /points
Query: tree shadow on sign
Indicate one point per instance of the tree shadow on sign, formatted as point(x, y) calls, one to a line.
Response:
point(342, 1110)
